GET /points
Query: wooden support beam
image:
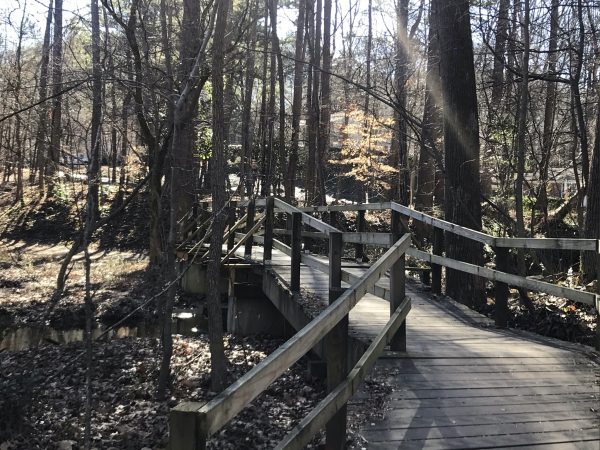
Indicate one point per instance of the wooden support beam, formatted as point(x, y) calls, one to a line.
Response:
point(598, 295)
point(187, 430)
point(398, 285)
point(336, 347)
point(436, 269)
point(361, 226)
point(249, 225)
point(232, 221)
point(296, 255)
point(268, 240)
point(502, 312)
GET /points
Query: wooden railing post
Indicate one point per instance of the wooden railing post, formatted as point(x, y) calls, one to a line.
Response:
point(501, 300)
point(232, 220)
point(360, 227)
point(436, 269)
point(296, 251)
point(598, 295)
point(187, 430)
point(336, 346)
point(268, 239)
point(249, 225)
point(397, 286)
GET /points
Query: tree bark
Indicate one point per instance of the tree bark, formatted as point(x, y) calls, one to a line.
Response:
point(400, 84)
point(549, 114)
point(325, 110)
point(290, 185)
point(220, 213)
point(592, 223)
point(42, 131)
point(461, 145)
point(56, 124)
point(431, 130)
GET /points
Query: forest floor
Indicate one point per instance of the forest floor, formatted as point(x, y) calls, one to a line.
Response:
point(42, 381)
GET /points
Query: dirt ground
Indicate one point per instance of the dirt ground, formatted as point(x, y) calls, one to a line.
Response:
point(120, 281)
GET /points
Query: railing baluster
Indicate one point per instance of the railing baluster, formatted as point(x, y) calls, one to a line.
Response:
point(397, 285)
point(268, 239)
point(249, 225)
point(436, 269)
point(336, 346)
point(502, 313)
point(598, 295)
point(187, 427)
point(296, 249)
point(361, 227)
point(232, 220)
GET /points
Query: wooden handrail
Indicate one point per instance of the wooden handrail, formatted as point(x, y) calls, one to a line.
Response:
point(300, 435)
point(589, 298)
point(203, 421)
point(446, 226)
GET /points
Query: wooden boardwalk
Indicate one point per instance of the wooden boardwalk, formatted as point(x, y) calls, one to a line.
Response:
point(462, 383)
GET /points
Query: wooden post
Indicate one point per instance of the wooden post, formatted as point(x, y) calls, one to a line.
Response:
point(232, 218)
point(268, 239)
point(336, 347)
point(249, 225)
point(361, 227)
point(194, 219)
point(436, 269)
point(502, 313)
point(598, 295)
point(296, 249)
point(397, 286)
point(186, 427)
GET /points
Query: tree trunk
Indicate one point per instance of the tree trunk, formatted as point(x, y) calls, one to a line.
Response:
point(461, 145)
point(220, 212)
point(313, 113)
point(42, 131)
point(549, 114)
point(592, 224)
point(246, 178)
point(400, 85)
point(432, 129)
point(56, 125)
point(290, 185)
point(499, 51)
point(325, 110)
point(96, 134)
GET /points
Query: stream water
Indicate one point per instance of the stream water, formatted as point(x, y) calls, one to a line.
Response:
point(185, 322)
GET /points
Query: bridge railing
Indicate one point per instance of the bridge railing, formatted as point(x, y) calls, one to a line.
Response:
point(193, 423)
point(500, 245)
point(501, 275)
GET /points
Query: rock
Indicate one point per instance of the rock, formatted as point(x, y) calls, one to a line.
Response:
point(66, 445)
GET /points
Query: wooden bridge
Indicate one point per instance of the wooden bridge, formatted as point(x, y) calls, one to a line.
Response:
point(459, 379)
